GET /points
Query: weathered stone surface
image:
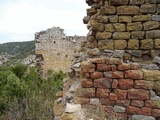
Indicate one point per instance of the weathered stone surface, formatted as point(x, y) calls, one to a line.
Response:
point(86, 83)
point(149, 25)
point(142, 117)
point(137, 53)
point(119, 109)
point(134, 74)
point(134, 26)
point(133, 44)
point(151, 75)
point(148, 8)
point(118, 2)
point(103, 67)
point(109, 10)
point(127, 10)
point(117, 74)
point(103, 35)
point(96, 75)
point(121, 35)
point(98, 60)
point(118, 53)
point(70, 108)
point(86, 92)
point(137, 103)
point(58, 109)
point(133, 110)
point(153, 104)
point(142, 84)
point(114, 83)
point(105, 44)
point(157, 43)
point(115, 27)
point(153, 67)
point(68, 116)
point(156, 17)
point(124, 103)
point(138, 94)
point(121, 94)
point(156, 112)
point(87, 67)
point(86, 19)
point(124, 66)
point(126, 19)
point(145, 111)
point(156, 60)
point(84, 101)
point(140, 18)
point(157, 85)
point(102, 93)
point(112, 97)
point(97, 27)
point(106, 102)
point(120, 44)
point(125, 84)
point(108, 74)
point(137, 35)
point(91, 11)
point(93, 52)
point(113, 18)
point(94, 101)
point(135, 66)
point(103, 83)
point(136, 2)
point(146, 44)
point(115, 61)
point(102, 19)
point(154, 34)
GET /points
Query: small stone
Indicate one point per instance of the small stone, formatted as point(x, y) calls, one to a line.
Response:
point(87, 67)
point(120, 44)
point(68, 116)
point(142, 117)
point(103, 83)
point(118, 53)
point(70, 108)
point(102, 93)
point(153, 67)
point(94, 101)
point(157, 43)
point(113, 18)
point(124, 103)
point(156, 60)
point(137, 53)
point(121, 35)
point(93, 52)
point(136, 2)
point(119, 109)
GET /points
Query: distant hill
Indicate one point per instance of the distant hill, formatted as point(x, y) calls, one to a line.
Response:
point(15, 52)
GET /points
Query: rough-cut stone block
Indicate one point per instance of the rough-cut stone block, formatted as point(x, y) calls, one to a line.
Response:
point(136, 2)
point(151, 74)
point(97, 27)
point(125, 84)
point(103, 67)
point(145, 111)
point(113, 18)
point(157, 85)
point(142, 117)
point(156, 112)
point(148, 8)
point(140, 18)
point(107, 102)
point(109, 10)
point(102, 93)
point(118, 54)
point(118, 2)
point(158, 8)
point(124, 103)
point(115, 27)
point(133, 110)
point(86, 83)
point(120, 44)
point(114, 83)
point(156, 17)
point(125, 19)
point(113, 68)
point(117, 74)
point(103, 35)
point(102, 19)
point(108, 74)
point(103, 83)
point(94, 101)
point(98, 60)
point(87, 67)
point(138, 94)
point(153, 104)
point(124, 66)
point(134, 74)
point(137, 35)
point(121, 94)
point(121, 35)
point(86, 19)
point(133, 44)
point(88, 92)
point(105, 44)
point(112, 97)
point(127, 10)
point(137, 103)
point(146, 44)
point(84, 101)
point(115, 61)
point(142, 84)
point(91, 11)
point(119, 109)
point(96, 75)
point(90, 38)
point(108, 109)
point(134, 26)
point(150, 25)
point(157, 43)
point(109, 28)
point(135, 66)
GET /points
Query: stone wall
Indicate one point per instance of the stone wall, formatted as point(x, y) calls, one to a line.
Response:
point(54, 50)
point(120, 71)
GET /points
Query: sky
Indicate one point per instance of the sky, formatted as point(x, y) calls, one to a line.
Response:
point(21, 19)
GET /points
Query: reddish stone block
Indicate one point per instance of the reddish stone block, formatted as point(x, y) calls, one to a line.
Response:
point(84, 101)
point(153, 104)
point(121, 94)
point(87, 67)
point(156, 112)
point(114, 83)
point(96, 75)
point(123, 103)
point(115, 61)
point(138, 94)
point(117, 74)
point(134, 74)
point(144, 84)
point(133, 110)
point(85, 75)
point(88, 92)
point(135, 66)
point(102, 93)
point(120, 116)
point(113, 68)
point(124, 66)
point(103, 67)
point(86, 83)
point(145, 111)
point(98, 60)
point(137, 103)
point(108, 109)
point(107, 102)
point(125, 83)
point(103, 83)
point(113, 97)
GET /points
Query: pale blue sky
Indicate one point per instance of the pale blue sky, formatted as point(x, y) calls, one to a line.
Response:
point(20, 19)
